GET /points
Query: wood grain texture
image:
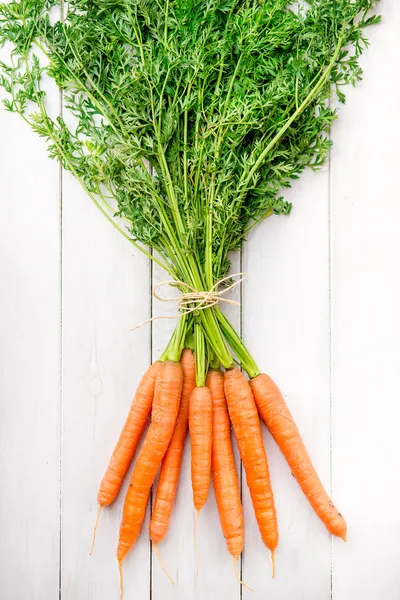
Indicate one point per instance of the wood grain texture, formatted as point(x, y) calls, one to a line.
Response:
point(29, 364)
point(366, 324)
point(105, 292)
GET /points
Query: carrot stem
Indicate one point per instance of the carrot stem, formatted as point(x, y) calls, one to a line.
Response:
point(176, 344)
point(200, 355)
point(237, 345)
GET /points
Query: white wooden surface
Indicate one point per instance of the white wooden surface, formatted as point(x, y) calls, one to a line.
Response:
point(320, 313)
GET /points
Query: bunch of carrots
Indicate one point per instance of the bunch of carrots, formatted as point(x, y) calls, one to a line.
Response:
point(183, 120)
point(169, 396)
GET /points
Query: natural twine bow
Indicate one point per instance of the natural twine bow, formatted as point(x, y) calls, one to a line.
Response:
point(200, 300)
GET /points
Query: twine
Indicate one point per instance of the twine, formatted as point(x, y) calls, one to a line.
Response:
point(194, 300)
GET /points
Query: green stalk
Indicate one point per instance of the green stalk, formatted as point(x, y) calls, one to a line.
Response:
point(213, 361)
point(237, 345)
point(209, 321)
point(209, 239)
point(200, 355)
point(176, 344)
point(185, 143)
point(215, 338)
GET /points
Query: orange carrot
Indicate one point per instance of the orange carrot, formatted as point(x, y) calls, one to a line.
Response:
point(163, 417)
point(225, 479)
point(171, 464)
point(276, 415)
point(131, 433)
point(247, 428)
point(200, 425)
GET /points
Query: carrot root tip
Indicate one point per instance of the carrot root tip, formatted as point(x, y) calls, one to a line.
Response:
point(156, 550)
point(95, 530)
point(235, 561)
point(196, 549)
point(273, 563)
point(121, 581)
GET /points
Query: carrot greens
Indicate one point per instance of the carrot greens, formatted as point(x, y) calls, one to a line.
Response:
point(185, 120)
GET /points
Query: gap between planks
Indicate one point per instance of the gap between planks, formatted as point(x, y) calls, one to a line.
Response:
point(61, 364)
point(151, 360)
point(330, 254)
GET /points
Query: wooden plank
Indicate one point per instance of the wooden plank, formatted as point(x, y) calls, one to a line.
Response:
point(105, 292)
point(177, 549)
point(366, 324)
point(286, 327)
point(29, 364)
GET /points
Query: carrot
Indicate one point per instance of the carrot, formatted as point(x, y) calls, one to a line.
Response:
point(165, 410)
point(200, 425)
point(131, 433)
point(276, 415)
point(247, 428)
point(128, 441)
point(171, 465)
point(226, 484)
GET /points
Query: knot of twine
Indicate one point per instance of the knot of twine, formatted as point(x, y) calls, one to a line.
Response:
point(193, 300)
